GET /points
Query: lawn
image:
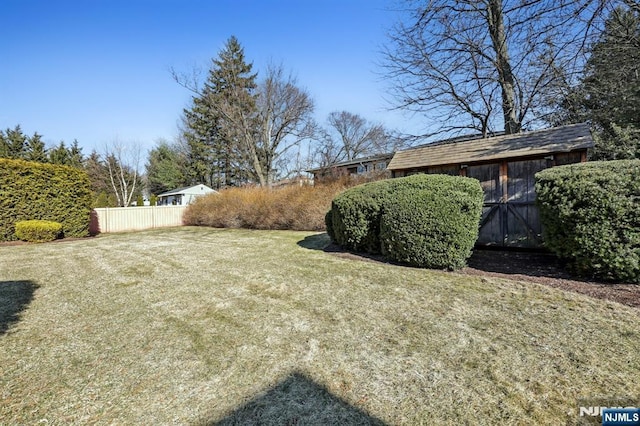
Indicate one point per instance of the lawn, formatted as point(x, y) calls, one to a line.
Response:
point(206, 326)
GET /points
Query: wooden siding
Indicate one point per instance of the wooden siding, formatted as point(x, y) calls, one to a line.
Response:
point(505, 166)
point(510, 216)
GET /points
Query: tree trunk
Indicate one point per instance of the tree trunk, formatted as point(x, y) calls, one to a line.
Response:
point(503, 66)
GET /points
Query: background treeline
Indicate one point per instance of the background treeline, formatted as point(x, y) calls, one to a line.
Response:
point(111, 174)
point(253, 127)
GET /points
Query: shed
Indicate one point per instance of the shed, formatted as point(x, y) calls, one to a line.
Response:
point(183, 196)
point(505, 166)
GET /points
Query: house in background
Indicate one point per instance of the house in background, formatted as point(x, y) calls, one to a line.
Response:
point(358, 166)
point(505, 165)
point(183, 196)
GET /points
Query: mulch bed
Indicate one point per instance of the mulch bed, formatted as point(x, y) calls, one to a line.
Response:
point(536, 267)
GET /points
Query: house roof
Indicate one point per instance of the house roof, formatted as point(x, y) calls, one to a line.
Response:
point(539, 142)
point(354, 162)
point(195, 189)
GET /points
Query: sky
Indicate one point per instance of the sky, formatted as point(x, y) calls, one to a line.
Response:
point(99, 70)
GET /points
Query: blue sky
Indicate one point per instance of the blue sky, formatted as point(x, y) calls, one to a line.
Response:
point(98, 70)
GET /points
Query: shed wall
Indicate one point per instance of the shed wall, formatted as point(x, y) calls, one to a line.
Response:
point(510, 216)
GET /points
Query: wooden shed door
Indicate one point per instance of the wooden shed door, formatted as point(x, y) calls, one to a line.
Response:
point(509, 216)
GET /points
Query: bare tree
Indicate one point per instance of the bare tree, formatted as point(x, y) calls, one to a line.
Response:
point(486, 64)
point(280, 120)
point(251, 125)
point(350, 136)
point(123, 161)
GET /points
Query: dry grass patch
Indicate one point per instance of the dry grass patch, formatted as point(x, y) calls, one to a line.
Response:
point(199, 325)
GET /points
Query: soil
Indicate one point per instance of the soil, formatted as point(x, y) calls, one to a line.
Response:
point(536, 267)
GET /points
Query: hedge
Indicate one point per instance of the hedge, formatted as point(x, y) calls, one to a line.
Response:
point(38, 231)
point(355, 216)
point(432, 228)
point(46, 192)
point(389, 217)
point(590, 214)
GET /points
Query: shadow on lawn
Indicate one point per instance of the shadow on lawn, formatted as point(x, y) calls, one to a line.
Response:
point(316, 242)
point(492, 260)
point(297, 400)
point(15, 296)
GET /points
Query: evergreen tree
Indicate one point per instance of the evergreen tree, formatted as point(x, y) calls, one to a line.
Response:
point(608, 96)
point(214, 153)
point(35, 149)
point(13, 143)
point(76, 158)
point(165, 169)
point(59, 154)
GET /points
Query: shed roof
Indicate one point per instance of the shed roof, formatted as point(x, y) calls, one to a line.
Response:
point(540, 142)
point(354, 162)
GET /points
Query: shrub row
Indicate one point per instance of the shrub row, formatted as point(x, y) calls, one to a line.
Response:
point(292, 207)
point(423, 220)
point(590, 214)
point(38, 231)
point(43, 191)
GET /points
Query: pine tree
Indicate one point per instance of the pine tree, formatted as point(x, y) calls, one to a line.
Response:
point(215, 155)
point(165, 169)
point(609, 94)
point(13, 143)
point(76, 158)
point(59, 154)
point(35, 149)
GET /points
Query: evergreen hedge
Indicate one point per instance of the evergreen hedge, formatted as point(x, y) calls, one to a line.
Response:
point(38, 231)
point(433, 228)
point(356, 216)
point(590, 214)
point(46, 192)
point(424, 220)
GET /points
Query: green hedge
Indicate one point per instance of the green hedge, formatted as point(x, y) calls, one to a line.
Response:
point(356, 218)
point(328, 222)
point(46, 192)
point(433, 228)
point(38, 231)
point(590, 214)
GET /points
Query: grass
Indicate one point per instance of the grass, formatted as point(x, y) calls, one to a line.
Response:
point(207, 326)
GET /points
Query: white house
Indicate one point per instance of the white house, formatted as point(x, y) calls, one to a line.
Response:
point(183, 196)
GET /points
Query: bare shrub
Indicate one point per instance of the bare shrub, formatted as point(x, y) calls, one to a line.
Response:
point(290, 207)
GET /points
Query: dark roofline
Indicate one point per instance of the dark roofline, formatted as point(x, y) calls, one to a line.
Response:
point(526, 144)
point(455, 139)
point(354, 162)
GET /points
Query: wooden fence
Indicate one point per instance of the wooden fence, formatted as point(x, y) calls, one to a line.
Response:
point(121, 219)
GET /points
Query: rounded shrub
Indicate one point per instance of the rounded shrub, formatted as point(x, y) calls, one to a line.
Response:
point(590, 214)
point(407, 218)
point(38, 231)
point(433, 227)
point(356, 216)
